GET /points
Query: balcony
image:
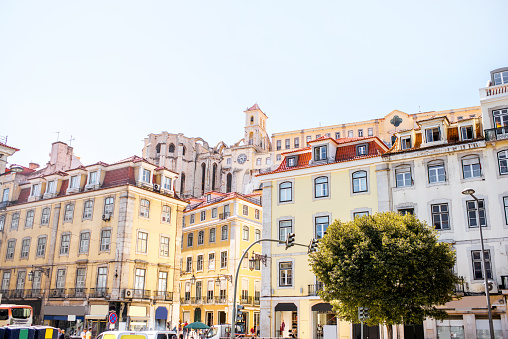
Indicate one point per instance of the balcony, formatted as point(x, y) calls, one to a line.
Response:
point(57, 293)
point(16, 294)
point(223, 216)
point(163, 295)
point(78, 292)
point(34, 293)
point(493, 90)
point(99, 292)
point(314, 289)
point(500, 133)
point(459, 287)
point(141, 294)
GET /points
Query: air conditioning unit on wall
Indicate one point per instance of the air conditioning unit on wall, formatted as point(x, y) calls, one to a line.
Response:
point(129, 293)
point(493, 287)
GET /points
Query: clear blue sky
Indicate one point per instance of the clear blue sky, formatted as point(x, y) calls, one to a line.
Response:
point(111, 72)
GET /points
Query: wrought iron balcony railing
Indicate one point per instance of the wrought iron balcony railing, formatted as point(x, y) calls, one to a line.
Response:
point(163, 295)
point(499, 133)
point(57, 293)
point(314, 289)
point(99, 292)
point(141, 294)
point(78, 292)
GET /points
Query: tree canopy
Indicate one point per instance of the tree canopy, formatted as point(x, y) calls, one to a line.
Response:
point(392, 264)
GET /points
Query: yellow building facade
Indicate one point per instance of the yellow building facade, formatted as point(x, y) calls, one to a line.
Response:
point(217, 230)
point(82, 241)
point(330, 179)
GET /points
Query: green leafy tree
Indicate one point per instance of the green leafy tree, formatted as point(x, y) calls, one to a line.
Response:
point(390, 263)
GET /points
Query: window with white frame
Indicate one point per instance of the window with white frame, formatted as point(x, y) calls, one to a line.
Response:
point(321, 187)
point(361, 150)
point(105, 239)
point(370, 131)
point(466, 132)
point(224, 259)
point(144, 208)
point(291, 161)
point(192, 219)
point(29, 221)
point(285, 191)
point(211, 261)
point(287, 143)
point(320, 153)
point(360, 133)
point(224, 232)
point(502, 159)
point(2, 222)
point(228, 161)
point(258, 162)
point(285, 274)
point(88, 209)
point(102, 279)
point(440, 216)
point(203, 215)
point(74, 181)
point(199, 263)
point(109, 205)
point(201, 237)
point(188, 267)
point(308, 138)
point(93, 178)
point(36, 190)
point(476, 259)
point(257, 235)
point(337, 135)
point(41, 246)
point(190, 239)
point(142, 242)
point(214, 212)
point(6, 279)
point(245, 210)
point(167, 183)
point(285, 227)
point(350, 134)
point(212, 235)
point(359, 181)
point(476, 213)
point(65, 242)
point(36, 280)
point(297, 142)
point(501, 120)
point(146, 176)
point(15, 221)
point(433, 134)
point(5, 195)
point(45, 216)
point(246, 233)
point(267, 161)
point(51, 188)
point(139, 279)
point(505, 203)
point(20, 283)
point(279, 145)
point(68, 212)
point(471, 167)
point(84, 242)
point(405, 142)
point(436, 172)
point(321, 224)
point(60, 278)
point(403, 176)
point(500, 78)
point(11, 244)
point(166, 214)
point(25, 248)
point(162, 284)
point(256, 213)
point(360, 214)
point(164, 250)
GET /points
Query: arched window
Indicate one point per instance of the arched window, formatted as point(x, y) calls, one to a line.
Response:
point(214, 174)
point(158, 148)
point(359, 181)
point(183, 150)
point(182, 184)
point(251, 119)
point(171, 148)
point(228, 182)
point(203, 177)
point(321, 187)
point(285, 191)
point(251, 138)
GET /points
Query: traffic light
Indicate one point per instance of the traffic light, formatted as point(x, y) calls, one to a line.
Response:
point(312, 246)
point(290, 240)
point(239, 313)
point(363, 313)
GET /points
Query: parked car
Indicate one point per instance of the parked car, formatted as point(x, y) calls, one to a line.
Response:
point(160, 334)
point(122, 335)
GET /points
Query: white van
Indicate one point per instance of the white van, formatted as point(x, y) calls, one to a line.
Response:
point(121, 335)
point(159, 334)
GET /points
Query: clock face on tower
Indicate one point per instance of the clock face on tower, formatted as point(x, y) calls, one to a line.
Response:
point(242, 158)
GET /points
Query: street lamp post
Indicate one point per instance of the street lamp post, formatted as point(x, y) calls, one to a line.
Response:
point(470, 191)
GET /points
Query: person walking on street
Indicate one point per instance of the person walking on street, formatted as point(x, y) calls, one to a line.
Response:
point(89, 333)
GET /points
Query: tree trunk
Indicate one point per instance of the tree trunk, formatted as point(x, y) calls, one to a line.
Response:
point(389, 329)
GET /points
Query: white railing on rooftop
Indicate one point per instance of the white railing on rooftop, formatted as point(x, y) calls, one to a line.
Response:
point(493, 90)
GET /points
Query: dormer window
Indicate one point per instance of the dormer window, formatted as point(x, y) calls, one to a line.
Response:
point(320, 153)
point(36, 190)
point(208, 198)
point(433, 134)
point(93, 178)
point(74, 181)
point(501, 78)
point(361, 150)
point(51, 187)
point(291, 161)
point(405, 142)
point(466, 132)
point(146, 175)
point(167, 183)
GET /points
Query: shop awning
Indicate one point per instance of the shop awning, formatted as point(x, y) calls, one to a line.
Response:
point(286, 307)
point(322, 307)
point(61, 317)
point(64, 310)
point(161, 313)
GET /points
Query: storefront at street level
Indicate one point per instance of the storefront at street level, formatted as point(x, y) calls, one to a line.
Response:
point(69, 318)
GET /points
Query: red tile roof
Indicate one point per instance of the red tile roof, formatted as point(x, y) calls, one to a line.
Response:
point(23, 195)
point(14, 148)
point(201, 202)
point(253, 108)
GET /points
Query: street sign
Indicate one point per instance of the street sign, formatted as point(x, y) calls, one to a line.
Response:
point(112, 317)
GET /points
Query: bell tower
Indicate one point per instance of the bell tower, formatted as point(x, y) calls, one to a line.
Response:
point(255, 128)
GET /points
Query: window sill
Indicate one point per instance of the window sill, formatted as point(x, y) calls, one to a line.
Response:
point(439, 183)
point(72, 190)
point(402, 188)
